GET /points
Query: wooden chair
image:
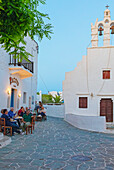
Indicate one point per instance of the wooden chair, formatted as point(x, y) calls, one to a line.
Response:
point(3, 125)
point(28, 128)
point(33, 121)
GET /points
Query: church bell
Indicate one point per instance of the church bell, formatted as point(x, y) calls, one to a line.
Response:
point(100, 31)
point(112, 28)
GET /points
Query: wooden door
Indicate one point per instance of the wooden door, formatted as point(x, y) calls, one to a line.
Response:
point(106, 109)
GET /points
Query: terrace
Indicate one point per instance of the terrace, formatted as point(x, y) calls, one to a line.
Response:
point(24, 68)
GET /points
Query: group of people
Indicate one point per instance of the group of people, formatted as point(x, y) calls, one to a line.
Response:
point(12, 119)
point(21, 119)
point(41, 111)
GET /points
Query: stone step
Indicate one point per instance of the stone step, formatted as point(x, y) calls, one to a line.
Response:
point(5, 141)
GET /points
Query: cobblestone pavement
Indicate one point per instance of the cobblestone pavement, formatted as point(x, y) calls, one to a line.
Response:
point(53, 145)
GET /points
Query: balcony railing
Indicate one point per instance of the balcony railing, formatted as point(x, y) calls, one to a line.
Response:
point(26, 64)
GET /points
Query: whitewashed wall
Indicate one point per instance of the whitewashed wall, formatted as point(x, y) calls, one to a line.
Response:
point(91, 123)
point(75, 84)
point(28, 85)
point(55, 110)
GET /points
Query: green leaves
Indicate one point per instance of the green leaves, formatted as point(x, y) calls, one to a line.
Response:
point(57, 99)
point(19, 18)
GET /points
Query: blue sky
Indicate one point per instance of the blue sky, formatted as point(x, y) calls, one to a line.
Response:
point(72, 33)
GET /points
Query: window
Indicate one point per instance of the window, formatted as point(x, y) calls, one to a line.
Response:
point(24, 97)
point(106, 74)
point(29, 102)
point(82, 102)
point(32, 99)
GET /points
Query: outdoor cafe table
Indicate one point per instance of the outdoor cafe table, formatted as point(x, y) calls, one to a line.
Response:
point(18, 118)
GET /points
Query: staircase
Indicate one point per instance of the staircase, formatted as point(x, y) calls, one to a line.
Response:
point(4, 140)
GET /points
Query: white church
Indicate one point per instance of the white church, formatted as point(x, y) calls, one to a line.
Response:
point(89, 89)
point(18, 81)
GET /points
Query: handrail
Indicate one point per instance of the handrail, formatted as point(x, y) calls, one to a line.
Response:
point(27, 65)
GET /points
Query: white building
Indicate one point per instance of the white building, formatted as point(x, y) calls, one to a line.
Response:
point(18, 81)
point(89, 88)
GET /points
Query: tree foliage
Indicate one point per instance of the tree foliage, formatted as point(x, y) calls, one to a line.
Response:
point(46, 98)
point(57, 99)
point(19, 18)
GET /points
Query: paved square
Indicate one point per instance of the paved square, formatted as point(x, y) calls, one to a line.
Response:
point(53, 145)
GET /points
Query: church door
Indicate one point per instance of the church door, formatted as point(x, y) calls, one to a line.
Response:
point(106, 109)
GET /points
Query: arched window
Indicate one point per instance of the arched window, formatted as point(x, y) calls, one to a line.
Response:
point(106, 21)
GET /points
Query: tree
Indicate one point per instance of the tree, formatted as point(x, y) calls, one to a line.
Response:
point(57, 99)
point(19, 18)
point(46, 98)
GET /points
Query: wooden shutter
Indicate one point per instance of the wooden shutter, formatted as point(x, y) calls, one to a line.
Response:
point(82, 102)
point(106, 74)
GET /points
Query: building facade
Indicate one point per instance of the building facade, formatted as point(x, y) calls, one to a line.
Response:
point(89, 88)
point(18, 85)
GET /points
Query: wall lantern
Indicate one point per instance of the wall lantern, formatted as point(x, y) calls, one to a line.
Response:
point(19, 95)
point(8, 91)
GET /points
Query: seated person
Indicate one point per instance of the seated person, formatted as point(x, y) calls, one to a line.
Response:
point(39, 107)
point(23, 112)
point(13, 115)
point(26, 120)
point(43, 112)
point(19, 112)
point(26, 109)
point(1, 112)
point(15, 128)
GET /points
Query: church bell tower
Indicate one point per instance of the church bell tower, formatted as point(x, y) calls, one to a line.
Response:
point(102, 28)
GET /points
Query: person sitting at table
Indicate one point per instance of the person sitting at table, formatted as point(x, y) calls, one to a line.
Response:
point(43, 112)
point(13, 115)
point(19, 112)
point(15, 127)
point(23, 112)
point(26, 120)
point(39, 108)
point(1, 112)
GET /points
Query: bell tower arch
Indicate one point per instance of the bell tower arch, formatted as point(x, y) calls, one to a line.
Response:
point(102, 28)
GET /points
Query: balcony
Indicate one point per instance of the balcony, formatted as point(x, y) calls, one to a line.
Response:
point(24, 68)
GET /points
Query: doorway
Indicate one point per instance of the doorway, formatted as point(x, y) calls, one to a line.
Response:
point(106, 109)
point(13, 98)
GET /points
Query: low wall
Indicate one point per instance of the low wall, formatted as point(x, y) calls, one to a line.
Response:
point(91, 123)
point(55, 110)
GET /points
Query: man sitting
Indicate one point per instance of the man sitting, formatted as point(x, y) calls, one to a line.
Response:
point(42, 112)
point(26, 120)
point(13, 115)
point(15, 128)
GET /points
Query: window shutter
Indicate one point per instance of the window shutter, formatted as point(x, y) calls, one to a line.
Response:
point(82, 102)
point(106, 74)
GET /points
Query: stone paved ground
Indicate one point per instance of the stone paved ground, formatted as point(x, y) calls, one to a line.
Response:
point(52, 146)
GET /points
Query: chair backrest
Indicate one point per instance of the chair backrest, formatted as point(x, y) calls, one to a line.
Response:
point(2, 121)
point(32, 119)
